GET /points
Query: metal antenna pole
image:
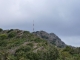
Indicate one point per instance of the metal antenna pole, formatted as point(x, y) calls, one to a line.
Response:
point(33, 25)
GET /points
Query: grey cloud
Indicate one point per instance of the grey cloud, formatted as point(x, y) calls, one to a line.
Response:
point(61, 16)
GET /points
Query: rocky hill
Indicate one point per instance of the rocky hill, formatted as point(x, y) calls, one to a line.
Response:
point(17, 44)
point(51, 38)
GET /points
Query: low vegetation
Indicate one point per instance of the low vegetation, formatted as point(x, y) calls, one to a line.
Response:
point(22, 45)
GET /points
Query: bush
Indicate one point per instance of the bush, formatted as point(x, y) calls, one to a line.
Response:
point(26, 32)
point(1, 29)
point(30, 44)
point(10, 30)
point(24, 48)
point(3, 36)
point(38, 40)
point(12, 34)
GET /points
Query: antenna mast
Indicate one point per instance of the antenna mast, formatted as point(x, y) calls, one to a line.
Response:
point(33, 25)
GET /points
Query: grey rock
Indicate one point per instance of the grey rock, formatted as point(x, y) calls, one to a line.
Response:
point(51, 38)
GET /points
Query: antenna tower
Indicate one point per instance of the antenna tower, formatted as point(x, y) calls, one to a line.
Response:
point(33, 25)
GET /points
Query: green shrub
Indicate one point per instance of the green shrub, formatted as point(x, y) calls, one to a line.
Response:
point(24, 48)
point(38, 40)
point(11, 57)
point(10, 30)
point(50, 54)
point(1, 29)
point(3, 36)
point(12, 34)
point(30, 44)
point(3, 43)
point(26, 32)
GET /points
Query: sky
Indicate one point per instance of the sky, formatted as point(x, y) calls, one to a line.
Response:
point(61, 17)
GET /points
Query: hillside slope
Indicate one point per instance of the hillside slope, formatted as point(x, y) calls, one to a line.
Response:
point(17, 44)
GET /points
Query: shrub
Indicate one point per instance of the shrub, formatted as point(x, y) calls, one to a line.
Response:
point(24, 48)
point(10, 30)
point(12, 34)
point(3, 36)
point(1, 29)
point(38, 40)
point(65, 55)
point(26, 32)
point(30, 44)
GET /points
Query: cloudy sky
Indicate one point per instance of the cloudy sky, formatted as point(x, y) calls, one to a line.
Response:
point(61, 17)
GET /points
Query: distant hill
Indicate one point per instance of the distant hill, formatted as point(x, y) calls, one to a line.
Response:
point(51, 38)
